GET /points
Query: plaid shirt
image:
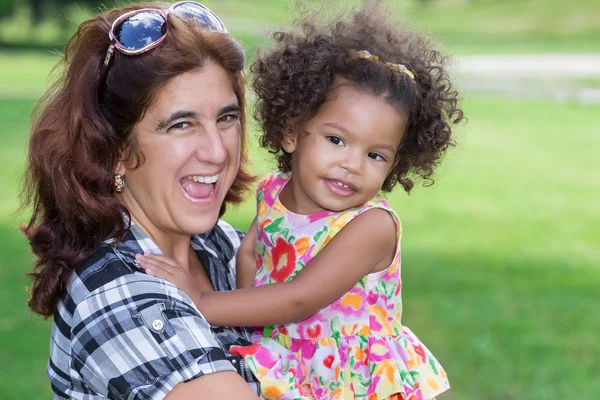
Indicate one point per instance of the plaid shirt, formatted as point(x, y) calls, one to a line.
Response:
point(121, 334)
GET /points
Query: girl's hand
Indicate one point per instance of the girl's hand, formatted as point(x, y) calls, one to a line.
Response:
point(170, 270)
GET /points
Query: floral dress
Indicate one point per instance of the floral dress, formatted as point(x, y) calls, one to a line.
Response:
point(356, 347)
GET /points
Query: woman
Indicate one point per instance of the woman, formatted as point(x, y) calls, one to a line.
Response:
point(138, 147)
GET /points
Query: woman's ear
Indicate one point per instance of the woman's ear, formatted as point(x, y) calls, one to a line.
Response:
point(120, 168)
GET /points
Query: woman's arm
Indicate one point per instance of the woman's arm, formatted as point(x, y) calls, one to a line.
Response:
point(355, 251)
point(245, 263)
point(218, 386)
point(136, 329)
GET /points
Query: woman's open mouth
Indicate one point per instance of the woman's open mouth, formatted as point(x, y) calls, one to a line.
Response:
point(200, 187)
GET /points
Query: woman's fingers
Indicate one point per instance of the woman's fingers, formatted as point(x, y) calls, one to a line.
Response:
point(159, 273)
point(155, 268)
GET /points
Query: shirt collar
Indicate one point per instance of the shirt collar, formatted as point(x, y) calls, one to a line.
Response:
point(136, 241)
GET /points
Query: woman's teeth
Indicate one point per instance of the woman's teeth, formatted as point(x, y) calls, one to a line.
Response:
point(204, 179)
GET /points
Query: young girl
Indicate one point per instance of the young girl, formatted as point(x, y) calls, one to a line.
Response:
point(349, 110)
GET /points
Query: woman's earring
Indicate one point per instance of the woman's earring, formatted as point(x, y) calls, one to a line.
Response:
point(119, 183)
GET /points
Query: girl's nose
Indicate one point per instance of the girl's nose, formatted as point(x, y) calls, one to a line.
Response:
point(352, 162)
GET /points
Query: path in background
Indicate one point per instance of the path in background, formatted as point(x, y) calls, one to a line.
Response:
point(559, 77)
point(556, 77)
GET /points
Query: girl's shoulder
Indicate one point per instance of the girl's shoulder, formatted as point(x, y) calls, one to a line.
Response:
point(377, 202)
point(343, 218)
point(276, 178)
point(271, 183)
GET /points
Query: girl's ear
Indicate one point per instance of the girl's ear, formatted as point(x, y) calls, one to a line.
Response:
point(289, 142)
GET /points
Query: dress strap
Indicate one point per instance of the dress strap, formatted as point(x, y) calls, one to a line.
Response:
point(269, 187)
point(348, 215)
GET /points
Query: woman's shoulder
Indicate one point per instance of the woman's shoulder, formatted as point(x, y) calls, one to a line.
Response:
point(223, 240)
point(133, 325)
point(100, 268)
point(110, 273)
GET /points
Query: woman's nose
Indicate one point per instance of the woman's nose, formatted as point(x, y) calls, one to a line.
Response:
point(211, 147)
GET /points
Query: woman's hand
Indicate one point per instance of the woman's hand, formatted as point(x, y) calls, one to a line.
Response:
point(170, 270)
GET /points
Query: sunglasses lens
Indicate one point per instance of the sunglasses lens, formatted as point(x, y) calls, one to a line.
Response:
point(207, 19)
point(140, 30)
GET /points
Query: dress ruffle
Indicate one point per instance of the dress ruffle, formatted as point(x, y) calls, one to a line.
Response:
point(370, 367)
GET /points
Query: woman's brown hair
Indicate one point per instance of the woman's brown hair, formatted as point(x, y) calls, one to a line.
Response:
point(83, 125)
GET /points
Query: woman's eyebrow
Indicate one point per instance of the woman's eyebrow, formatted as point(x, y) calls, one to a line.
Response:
point(230, 108)
point(163, 123)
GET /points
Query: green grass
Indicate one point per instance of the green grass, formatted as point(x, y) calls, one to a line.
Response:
point(500, 256)
point(24, 74)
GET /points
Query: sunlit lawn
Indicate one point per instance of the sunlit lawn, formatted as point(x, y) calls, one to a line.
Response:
point(500, 256)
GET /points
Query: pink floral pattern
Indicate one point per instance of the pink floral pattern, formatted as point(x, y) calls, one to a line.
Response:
point(356, 347)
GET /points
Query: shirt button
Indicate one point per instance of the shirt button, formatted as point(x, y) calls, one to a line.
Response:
point(234, 362)
point(157, 324)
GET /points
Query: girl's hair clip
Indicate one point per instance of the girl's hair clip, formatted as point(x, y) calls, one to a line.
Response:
point(401, 68)
point(396, 67)
point(366, 55)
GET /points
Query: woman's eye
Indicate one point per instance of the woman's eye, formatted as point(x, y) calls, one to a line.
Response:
point(338, 141)
point(376, 156)
point(180, 126)
point(229, 118)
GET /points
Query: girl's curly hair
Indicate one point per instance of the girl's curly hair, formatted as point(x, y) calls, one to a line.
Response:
point(293, 80)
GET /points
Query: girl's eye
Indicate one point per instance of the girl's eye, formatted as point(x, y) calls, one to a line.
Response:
point(338, 141)
point(376, 156)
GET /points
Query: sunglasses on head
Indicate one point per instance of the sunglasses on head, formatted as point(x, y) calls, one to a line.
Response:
point(142, 30)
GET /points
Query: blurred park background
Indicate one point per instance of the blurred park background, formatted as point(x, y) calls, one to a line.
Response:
point(501, 256)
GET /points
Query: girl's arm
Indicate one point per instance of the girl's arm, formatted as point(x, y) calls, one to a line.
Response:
point(365, 243)
point(245, 263)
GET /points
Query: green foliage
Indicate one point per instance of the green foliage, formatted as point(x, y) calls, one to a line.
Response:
point(7, 8)
point(476, 26)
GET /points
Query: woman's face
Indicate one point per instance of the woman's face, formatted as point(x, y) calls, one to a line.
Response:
point(189, 139)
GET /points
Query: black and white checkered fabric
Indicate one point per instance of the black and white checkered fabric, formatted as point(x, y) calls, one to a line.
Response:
point(121, 334)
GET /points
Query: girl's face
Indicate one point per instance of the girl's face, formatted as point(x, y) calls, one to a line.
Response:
point(190, 143)
point(342, 156)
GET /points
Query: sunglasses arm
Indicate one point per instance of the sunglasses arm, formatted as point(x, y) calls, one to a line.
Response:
point(109, 53)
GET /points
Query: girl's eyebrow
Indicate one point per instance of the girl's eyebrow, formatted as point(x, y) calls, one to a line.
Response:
point(338, 127)
point(388, 147)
